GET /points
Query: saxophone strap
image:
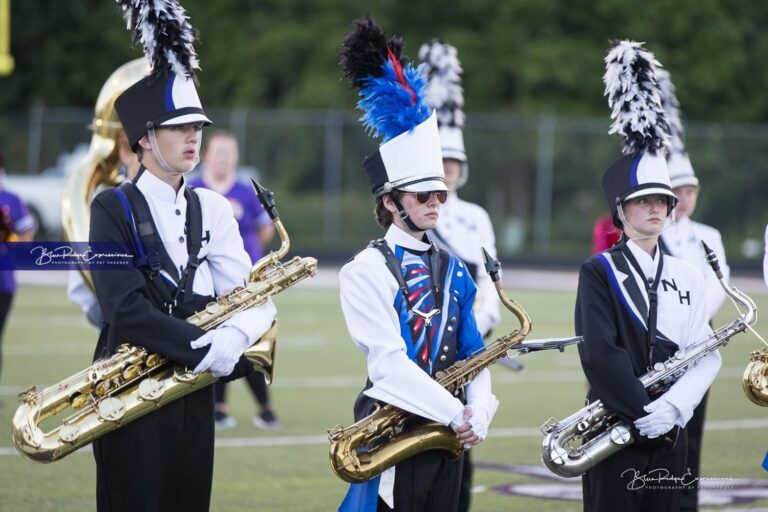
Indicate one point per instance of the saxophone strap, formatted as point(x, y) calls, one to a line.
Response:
point(151, 254)
point(393, 264)
point(651, 287)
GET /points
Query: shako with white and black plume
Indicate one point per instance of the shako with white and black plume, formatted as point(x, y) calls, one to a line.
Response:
point(633, 95)
point(167, 96)
point(681, 171)
point(440, 64)
point(394, 109)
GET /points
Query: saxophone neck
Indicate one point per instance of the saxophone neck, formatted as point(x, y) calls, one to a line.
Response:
point(493, 267)
point(749, 314)
point(267, 200)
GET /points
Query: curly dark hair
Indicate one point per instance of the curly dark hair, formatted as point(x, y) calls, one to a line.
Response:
point(381, 214)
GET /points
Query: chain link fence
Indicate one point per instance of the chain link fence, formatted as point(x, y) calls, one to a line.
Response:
point(538, 177)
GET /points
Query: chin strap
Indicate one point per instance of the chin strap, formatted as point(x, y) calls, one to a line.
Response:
point(404, 215)
point(156, 150)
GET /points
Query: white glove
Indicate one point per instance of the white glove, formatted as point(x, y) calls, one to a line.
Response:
point(482, 416)
point(662, 418)
point(227, 345)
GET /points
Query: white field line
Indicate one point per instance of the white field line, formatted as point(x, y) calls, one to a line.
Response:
point(264, 442)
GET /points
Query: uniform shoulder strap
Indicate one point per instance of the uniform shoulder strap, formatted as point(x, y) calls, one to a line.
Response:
point(392, 264)
point(194, 243)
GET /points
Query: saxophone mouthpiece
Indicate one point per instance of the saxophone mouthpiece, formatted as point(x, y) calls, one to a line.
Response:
point(712, 260)
point(266, 198)
point(492, 266)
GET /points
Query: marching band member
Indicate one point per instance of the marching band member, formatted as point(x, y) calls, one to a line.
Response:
point(683, 240)
point(187, 250)
point(636, 306)
point(463, 227)
point(408, 305)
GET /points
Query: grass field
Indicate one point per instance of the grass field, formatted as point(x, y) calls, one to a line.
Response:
point(318, 374)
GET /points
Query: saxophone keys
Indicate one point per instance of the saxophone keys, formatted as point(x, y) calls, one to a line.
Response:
point(558, 455)
point(78, 401)
point(154, 360)
point(213, 308)
point(184, 375)
point(151, 389)
point(111, 409)
point(69, 433)
point(620, 435)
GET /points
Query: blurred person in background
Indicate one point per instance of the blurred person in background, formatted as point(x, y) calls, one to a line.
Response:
point(16, 225)
point(219, 173)
point(683, 240)
point(604, 234)
point(464, 228)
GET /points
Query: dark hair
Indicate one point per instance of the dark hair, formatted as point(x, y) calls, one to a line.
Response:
point(381, 214)
point(217, 133)
point(139, 152)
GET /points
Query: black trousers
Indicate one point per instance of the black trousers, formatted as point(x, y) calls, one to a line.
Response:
point(427, 482)
point(5, 307)
point(465, 489)
point(616, 483)
point(256, 383)
point(162, 462)
point(690, 499)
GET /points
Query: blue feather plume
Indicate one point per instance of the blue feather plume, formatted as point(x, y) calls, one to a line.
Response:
point(389, 107)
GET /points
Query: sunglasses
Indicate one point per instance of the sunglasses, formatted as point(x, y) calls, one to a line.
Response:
point(423, 197)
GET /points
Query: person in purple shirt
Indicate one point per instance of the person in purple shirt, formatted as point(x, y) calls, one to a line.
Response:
point(220, 159)
point(17, 225)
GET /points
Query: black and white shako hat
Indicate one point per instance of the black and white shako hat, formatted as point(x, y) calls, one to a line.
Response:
point(167, 96)
point(681, 171)
point(394, 109)
point(440, 64)
point(633, 94)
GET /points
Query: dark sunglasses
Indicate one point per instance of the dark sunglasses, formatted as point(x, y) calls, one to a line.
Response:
point(423, 197)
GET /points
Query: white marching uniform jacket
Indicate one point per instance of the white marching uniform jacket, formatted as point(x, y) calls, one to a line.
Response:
point(683, 240)
point(612, 313)
point(224, 264)
point(463, 229)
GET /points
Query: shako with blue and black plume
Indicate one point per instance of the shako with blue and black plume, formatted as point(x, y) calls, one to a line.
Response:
point(167, 96)
point(394, 110)
point(440, 64)
point(681, 171)
point(632, 88)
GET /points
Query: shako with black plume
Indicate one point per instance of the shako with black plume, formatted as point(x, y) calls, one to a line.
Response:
point(167, 96)
point(394, 110)
point(440, 64)
point(632, 88)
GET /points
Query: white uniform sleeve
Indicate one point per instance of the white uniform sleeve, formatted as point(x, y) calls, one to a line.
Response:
point(688, 391)
point(367, 301)
point(487, 313)
point(765, 258)
point(715, 295)
point(480, 395)
point(230, 266)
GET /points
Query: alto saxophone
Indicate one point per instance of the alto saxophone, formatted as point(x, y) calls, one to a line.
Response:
point(114, 391)
point(381, 440)
point(576, 444)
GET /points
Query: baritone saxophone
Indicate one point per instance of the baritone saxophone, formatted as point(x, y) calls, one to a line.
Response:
point(114, 391)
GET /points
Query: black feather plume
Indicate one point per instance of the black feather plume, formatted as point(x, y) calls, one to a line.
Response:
point(440, 63)
point(633, 95)
point(163, 30)
point(364, 51)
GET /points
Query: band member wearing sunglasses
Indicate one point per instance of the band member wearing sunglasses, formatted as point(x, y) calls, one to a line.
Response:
point(408, 304)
